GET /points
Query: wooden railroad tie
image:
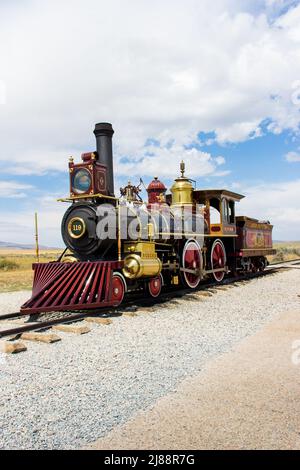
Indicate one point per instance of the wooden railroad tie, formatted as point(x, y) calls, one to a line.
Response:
point(8, 347)
point(40, 337)
point(149, 309)
point(98, 321)
point(205, 294)
point(79, 330)
point(191, 297)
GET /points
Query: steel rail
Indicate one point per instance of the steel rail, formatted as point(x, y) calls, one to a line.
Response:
point(41, 325)
point(285, 262)
point(11, 316)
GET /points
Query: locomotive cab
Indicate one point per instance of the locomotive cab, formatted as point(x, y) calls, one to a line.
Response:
point(219, 210)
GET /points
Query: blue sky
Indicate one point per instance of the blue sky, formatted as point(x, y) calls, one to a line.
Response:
point(224, 95)
point(261, 159)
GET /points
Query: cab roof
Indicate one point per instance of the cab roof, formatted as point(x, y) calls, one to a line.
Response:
point(218, 193)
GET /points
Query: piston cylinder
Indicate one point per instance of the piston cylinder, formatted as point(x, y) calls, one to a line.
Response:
point(141, 260)
point(136, 267)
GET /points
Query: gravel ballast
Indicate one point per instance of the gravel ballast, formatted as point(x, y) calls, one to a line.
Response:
point(70, 393)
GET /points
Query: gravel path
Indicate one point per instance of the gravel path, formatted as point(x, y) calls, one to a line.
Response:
point(68, 394)
point(247, 398)
point(11, 302)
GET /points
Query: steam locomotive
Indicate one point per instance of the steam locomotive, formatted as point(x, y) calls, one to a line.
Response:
point(119, 244)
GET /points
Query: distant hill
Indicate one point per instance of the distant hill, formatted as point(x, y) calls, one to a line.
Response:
point(286, 241)
point(21, 246)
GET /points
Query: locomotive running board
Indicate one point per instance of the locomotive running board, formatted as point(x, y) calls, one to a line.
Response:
point(71, 286)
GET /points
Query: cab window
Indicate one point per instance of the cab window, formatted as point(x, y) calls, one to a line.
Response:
point(231, 212)
point(228, 211)
point(215, 216)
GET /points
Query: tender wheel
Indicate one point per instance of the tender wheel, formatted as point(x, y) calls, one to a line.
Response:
point(253, 266)
point(192, 259)
point(218, 260)
point(262, 264)
point(118, 289)
point(154, 286)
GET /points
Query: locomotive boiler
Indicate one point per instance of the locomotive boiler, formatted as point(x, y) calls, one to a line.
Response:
point(119, 243)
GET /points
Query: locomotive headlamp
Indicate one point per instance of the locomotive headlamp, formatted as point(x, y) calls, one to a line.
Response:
point(81, 181)
point(76, 227)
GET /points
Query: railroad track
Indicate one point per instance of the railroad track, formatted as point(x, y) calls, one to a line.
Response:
point(133, 303)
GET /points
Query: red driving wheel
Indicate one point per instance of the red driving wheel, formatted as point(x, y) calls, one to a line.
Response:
point(218, 260)
point(154, 286)
point(192, 259)
point(118, 288)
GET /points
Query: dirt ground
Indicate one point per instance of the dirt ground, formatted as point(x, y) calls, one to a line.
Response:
point(245, 399)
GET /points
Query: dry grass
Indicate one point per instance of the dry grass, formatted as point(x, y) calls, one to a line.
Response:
point(285, 251)
point(16, 268)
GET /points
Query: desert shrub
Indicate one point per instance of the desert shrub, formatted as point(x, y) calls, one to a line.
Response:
point(7, 265)
point(279, 257)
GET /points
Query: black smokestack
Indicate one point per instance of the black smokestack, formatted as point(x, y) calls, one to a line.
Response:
point(104, 132)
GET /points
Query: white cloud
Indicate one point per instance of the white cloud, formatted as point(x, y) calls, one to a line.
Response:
point(148, 67)
point(278, 203)
point(220, 160)
point(12, 189)
point(2, 93)
point(18, 225)
point(38, 162)
point(292, 157)
point(163, 161)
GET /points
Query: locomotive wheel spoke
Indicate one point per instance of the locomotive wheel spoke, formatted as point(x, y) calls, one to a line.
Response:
point(218, 260)
point(154, 286)
point(118, 289)
point(192, 259)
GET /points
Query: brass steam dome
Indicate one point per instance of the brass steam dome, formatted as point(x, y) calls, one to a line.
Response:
point(182, 189)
